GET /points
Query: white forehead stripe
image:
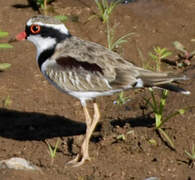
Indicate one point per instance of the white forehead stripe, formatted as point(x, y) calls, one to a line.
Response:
point(61, 27)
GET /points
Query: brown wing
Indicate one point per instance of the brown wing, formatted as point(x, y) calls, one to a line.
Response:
point(90, 66)
point(70, 74)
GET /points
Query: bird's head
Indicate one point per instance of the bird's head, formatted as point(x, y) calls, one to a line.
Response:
point(44, 31)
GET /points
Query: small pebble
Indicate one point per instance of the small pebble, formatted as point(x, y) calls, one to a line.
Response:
point(17, 164)
point(152, 178)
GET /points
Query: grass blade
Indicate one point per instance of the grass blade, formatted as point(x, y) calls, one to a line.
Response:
point(167, 137)
point(3, 34)
point(5, 45)
point(4, 66)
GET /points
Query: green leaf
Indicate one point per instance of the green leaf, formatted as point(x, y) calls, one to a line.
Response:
point(5, 45)
point(154, 57)
point(179, 46)
point(158, 118)
point(153, 142)
point(7, 101)
point(181, 111)
point(61, 18)
point(3, 34)
point(166, 54)
point(167, 137)
point(4, 66)
point(121, 137)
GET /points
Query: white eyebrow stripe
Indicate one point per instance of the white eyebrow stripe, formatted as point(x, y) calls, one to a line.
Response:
point(61, 27)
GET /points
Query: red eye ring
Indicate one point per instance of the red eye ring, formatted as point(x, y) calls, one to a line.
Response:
point(35, 29)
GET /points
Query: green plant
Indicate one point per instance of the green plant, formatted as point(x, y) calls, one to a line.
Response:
point(158, 55)
point(4, 45)
point(184, 55)
point(4, 66)
point(121, 99)
point(62, 18)
point(105, 9)
point(110, 38)
point(6, 102)
point(153, 142)
point(122, 137)
point(52, 151)
point(158, 110)
point(145, 63)
point(43, 3)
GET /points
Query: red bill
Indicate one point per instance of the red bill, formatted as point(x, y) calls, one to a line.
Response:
point(21, 36)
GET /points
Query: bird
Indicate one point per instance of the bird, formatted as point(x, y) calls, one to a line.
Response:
point(87, 70)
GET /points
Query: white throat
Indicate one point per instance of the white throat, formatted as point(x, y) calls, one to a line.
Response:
point(41, 43)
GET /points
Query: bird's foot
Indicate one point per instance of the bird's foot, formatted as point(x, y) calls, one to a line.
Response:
point(78, 160)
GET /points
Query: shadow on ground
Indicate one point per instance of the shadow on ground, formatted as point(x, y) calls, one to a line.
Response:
point(36, 126)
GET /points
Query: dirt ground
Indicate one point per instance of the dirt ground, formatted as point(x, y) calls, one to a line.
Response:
point(39, 113)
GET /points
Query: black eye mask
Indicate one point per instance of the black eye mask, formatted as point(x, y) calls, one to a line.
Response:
point(49, 32)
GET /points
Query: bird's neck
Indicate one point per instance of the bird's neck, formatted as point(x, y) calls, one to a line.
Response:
point(46, 54)
point(46, 48)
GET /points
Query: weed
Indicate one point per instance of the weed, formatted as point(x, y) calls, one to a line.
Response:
point(184, 56)
point(43, 3)
point(121, 99)
point(6, 102)
point(191, 156)
point(122, 137)
point(52, 151)
point(158, 110)
point(105, 9)
point(110, 38)
point(62, 18)
point(4, 66)
point(153, 142)
point(145, 63)
point(158, 55)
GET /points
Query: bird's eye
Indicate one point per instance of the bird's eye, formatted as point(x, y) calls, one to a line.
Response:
point(35, 29)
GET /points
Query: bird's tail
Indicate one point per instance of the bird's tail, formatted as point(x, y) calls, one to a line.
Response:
point(162, 80)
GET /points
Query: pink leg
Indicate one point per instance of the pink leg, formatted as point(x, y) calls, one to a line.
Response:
point(91, 124)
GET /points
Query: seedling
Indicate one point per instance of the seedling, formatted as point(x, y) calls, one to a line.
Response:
point(112, 45)
point(153, 142)
point(105, 9)
point(121, 137)
point(184, 56)
point(158, 110)
point(121, 99)
point(145, 63)
point(52, 151)
point(7, 102)
point(158, 55)
point(4, 66)
point(191, 156)
point(43, 3)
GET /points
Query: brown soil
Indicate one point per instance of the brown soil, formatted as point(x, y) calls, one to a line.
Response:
point(39, 113)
